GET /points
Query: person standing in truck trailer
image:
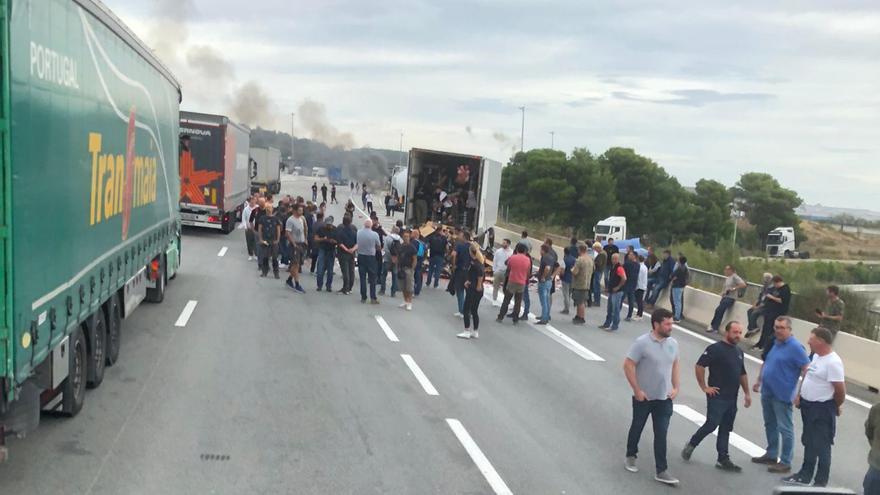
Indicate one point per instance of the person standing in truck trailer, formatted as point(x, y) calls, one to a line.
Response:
point(652, 370)
point(819, 398)
point(269, 233)
point(296, 232)
point(727, 374)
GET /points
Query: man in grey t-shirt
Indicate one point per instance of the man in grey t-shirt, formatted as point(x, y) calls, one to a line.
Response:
point(651, 368)
point(295, 229)
point(732, 285)
point(368, 245)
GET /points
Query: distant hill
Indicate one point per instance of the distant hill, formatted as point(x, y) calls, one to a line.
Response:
point(824, 213)
point(358, 164)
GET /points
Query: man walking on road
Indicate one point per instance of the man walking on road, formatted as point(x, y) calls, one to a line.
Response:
point(406, 260)
point(324, 193)
point(368, 245)
point(732, 285)
point(568, 261)
point(820, 398)
point(652, 370)
point(600, 260)
point(545, 281)
point(346, 249)
point(871, 483)
point(436, 256)
point(295, 230)
point(519, 269)
point(269, 233)
point(727, 374)
point(581, 274)
point(314, 192)
point(783, 365)
point(326, 238)
point(499, 269)
point(333, 199)
point(614, 287)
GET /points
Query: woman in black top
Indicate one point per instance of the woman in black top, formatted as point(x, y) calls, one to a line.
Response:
point(473, 292)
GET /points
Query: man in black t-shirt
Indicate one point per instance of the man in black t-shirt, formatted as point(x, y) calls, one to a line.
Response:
point(727, 374)
point(437, 245)
point(268, 234)
point(326, 239)
point(776, 303)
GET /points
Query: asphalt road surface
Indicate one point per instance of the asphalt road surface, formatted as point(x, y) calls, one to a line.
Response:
point(256, 389)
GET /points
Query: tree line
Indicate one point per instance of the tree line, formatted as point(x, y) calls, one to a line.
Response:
point(576, 190)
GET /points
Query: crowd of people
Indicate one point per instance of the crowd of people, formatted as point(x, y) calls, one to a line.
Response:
point(304, 237)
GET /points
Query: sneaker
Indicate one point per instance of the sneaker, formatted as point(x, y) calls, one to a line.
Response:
point(363, 301)
point(779, 468)
point(328, 289)
point(604, 327)
point(751, 333)
point(341, 292)
point(289, 283)
point(475, 334)
point(464, 335)
point(401, 305)
point(381, 292)
point(628, 319)
point(666, 478)
point(764, 459)
point(639, 317)
point(630, 465)
point(541, 322)
point(711, 330)
point(374, 301)
point(676, 321)
point(277, 275)
point(409, 307)
point(795, 480)
point(250, 258)
point(457, 314)
point(500, 319)
point(611, 329)
point(687, 451)
point(726, 465)
point(578, 321)
point(564, 312)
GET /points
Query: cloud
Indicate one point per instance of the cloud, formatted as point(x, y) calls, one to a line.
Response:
point(694, 97)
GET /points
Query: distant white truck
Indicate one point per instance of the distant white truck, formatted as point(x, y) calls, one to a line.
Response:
point(610, 228)
point(319, 172)
point(781, 243)
point(265, 170)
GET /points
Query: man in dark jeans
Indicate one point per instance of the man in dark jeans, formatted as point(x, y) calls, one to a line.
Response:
point(727, 374)
point(631, 267)
point(732, 285)
point(346, 249)
point(664, 274)
point(757, 309)
point(436, 256)
point(368, 245)
point(652, 370)
point(776, 304)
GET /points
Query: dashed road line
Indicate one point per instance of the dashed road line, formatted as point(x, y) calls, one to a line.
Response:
point(186, 313)
point(741, 443)
point(419, 374)
point(387, 329)
point(498, 485)
point(222, 251)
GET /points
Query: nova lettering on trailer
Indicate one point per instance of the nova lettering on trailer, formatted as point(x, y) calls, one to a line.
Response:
point(121, 182)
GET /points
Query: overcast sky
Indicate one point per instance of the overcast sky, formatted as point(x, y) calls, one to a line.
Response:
point(707, 89)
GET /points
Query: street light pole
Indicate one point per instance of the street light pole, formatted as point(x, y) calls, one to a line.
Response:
point(522, 131)
point(552, 135)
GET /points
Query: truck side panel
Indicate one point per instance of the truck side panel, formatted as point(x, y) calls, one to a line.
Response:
point(238, 140)
point(490, 194)
point(94, 127)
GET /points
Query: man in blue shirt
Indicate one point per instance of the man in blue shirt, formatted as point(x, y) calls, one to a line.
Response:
point(785, 363)
point(421, 252)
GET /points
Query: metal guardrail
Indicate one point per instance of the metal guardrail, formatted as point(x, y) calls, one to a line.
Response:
point(714, 283)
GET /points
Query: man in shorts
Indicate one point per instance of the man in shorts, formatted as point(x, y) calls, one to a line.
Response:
point(296, 231)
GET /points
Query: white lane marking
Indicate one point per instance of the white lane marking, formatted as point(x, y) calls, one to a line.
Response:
point(498, 485)
point(186, 313)
point(387, 329)
point(420, 375)
point(561, 338)
point(741, 443)
point(567, 342)
point(222, 251)
point(854, 400)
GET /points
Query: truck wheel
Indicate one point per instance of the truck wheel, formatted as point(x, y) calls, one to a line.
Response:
point(114, 329)
point(157, 294)
point(98, 350)
point(74, 388)
point(787, 254)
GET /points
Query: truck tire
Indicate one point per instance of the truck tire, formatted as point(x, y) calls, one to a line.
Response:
point(157, 294)
point(786, 254)
point(229, 223)
point(74, 387)
point(97, 361)
point(114, 329)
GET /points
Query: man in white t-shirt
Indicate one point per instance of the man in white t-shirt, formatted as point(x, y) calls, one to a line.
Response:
point(820, 398)
point(499, 269)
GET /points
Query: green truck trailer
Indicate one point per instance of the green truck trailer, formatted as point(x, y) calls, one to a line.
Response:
point(89, 223)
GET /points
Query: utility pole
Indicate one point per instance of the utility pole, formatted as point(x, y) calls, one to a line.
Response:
point(522, 131)
point(292, 120)
point(552, 135)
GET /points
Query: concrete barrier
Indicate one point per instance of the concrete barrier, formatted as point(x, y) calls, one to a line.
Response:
point(860, 356)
